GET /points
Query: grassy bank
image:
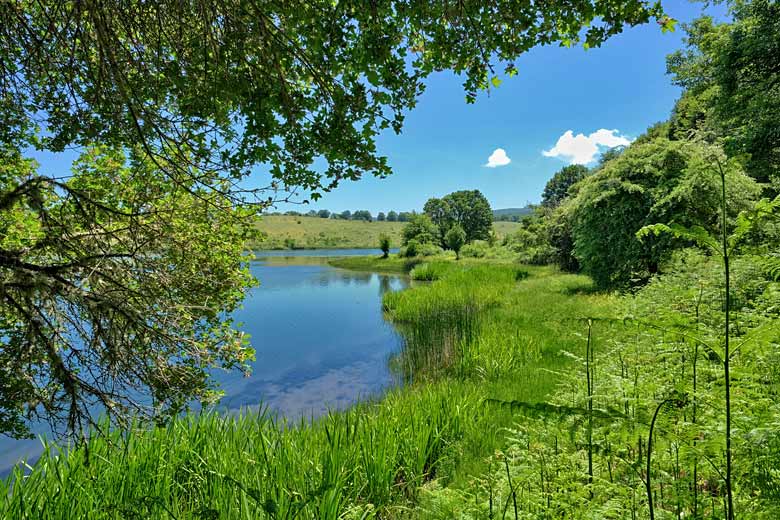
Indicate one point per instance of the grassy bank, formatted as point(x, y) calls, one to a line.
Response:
point(289, 232)
point(479, 333)
point(378, 264)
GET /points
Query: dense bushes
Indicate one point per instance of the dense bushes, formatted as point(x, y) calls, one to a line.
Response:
point(656, 181)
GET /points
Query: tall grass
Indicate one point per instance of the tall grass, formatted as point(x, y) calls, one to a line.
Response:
point(247, 466)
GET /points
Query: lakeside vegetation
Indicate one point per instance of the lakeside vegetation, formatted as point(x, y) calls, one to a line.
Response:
point(292, 232)
point(375, 459)
point(496, 411)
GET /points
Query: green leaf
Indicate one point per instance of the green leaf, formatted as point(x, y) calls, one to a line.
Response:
point(496, 81)
point(696, 234)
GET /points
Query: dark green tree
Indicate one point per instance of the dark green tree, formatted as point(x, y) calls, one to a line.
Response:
point(732, 80)
point(471, 211)
point(380, 217)
point(654, 181)
point(384, 245)
point(323, 213)
point(392, 216)
point(557, 188)
point(441, 215)
point(362, 215)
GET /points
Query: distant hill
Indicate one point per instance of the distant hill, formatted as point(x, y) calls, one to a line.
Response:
point(508, 213)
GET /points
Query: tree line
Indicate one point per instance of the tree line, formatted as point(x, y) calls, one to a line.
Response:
point(365, 215)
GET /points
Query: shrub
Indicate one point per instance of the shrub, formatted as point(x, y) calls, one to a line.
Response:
point(455, 238)
point(421, 229)
point(429, 250)
point(476, 249)
point(414, 248)
point(411, 249)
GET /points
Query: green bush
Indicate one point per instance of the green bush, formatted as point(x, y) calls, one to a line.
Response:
point(421, 229)
point(476, 249)
point(414, 248)
point(411, 249)
point(455, 238)
point(429, 250)
point(384, 244)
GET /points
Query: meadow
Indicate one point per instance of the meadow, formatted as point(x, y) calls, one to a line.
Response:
point(292, 232)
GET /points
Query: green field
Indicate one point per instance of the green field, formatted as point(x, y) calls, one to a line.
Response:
point(289, 232)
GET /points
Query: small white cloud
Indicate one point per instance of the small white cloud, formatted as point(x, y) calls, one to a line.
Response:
point(581, 149)
point(498, 158)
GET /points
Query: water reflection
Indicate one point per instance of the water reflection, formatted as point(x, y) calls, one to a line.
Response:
point(320, 338)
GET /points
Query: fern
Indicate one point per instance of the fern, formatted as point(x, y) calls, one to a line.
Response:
point(771, 266)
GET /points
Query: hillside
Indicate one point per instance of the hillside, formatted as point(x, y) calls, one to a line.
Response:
point(289, 232)
point(511, 212)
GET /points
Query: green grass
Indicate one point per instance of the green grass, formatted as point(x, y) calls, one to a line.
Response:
point(287, 232)
point(392, 264)
point(480, 332)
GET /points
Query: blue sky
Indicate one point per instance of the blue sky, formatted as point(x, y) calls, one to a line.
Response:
point(445, 142)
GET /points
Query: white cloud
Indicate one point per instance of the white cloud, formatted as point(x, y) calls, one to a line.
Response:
point(581, 149)
point(498, 158)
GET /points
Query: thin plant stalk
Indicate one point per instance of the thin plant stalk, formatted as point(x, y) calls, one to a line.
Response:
point(648, 480)
point(726, 353)
point(588, 362)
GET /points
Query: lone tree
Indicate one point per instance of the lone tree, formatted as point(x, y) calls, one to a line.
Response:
point(116, 278)
point(455, 238)
point(384, 245)
point(468, 208)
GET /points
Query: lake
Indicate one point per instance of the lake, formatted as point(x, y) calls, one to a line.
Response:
point(320, 338)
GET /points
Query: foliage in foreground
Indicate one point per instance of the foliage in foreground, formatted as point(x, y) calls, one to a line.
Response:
point(663, 357)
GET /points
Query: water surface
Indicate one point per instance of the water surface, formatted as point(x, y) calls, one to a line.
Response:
point(319, 334)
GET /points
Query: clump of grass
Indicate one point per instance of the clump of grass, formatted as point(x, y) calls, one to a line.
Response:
point(427, 272)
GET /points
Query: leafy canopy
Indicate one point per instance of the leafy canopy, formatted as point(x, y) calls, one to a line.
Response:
point(656, 181)
point(421, 229)
point(733, 82)
point(115, 289)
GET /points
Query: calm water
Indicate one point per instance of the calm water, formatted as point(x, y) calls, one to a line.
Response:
point(318, 332)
